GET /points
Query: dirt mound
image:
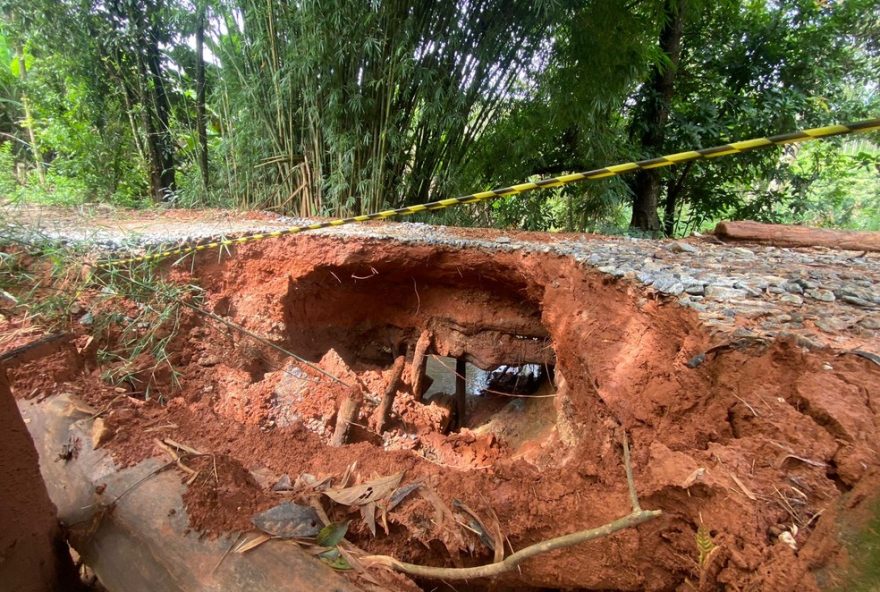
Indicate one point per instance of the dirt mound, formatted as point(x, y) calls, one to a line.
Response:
point(745, 449)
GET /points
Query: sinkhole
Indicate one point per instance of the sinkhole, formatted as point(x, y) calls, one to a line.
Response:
point(476, 352)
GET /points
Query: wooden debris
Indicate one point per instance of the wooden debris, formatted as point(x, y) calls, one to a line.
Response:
point(383, 412)
point(782, 235)
point(347, 415)
point(418, 369)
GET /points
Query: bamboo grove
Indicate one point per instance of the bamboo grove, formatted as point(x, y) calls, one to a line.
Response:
point(343, 107)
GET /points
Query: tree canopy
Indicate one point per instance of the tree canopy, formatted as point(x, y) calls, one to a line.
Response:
point(344, 107)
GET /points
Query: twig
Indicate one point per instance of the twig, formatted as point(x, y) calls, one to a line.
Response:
point(512, 561)
point(634, 518)
point(152, 473)
point(228, 551)
point(743, 401)
point(418, 298)
point(627, 465)
point(106, 408)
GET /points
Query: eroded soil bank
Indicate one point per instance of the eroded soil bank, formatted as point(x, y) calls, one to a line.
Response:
point(754, 445)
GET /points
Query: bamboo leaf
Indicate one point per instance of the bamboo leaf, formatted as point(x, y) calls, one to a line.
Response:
point(332, 534)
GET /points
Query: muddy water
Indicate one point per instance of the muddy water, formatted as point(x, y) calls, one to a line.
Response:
point(442, 370)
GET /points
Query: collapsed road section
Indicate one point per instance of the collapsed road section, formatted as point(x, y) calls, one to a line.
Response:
point(464, 395)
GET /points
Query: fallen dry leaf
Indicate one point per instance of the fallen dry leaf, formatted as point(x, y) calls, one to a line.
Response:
point(475, 524)
point(289, 520)
point(253, 543)
point(368, 513)
point(401, 493)
point(743, 487)
point(445, 521)
point(371, 491)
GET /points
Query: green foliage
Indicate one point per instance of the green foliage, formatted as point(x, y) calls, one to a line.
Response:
point(347, 107)
point(135, 314)
point(705, 545)
point(569, 116)
point(758, 69)
point(8, 184)
point(332, 534)
point(137, 352)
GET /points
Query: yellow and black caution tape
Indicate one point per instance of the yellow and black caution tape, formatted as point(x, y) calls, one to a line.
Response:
point(610, 171)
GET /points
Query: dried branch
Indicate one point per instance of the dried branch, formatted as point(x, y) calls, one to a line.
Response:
point(630, 482)
point(634, 518)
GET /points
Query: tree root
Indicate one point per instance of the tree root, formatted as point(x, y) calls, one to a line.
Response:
point(634, 518)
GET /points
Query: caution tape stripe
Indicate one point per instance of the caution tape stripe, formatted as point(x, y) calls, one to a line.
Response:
point(603, 173)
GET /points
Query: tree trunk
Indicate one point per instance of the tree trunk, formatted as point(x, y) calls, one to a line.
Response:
point(162, 109)
point(156, 107)
point(29, 117)
point(672, 201)
point(200, 94)
point(653, 113)
point(151, 137)
point(782, 235)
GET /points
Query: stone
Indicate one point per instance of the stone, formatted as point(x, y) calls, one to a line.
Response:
point(821, 294)
point(752, 291)
point(682, 247)
point(870, 322)
point(100, 433)
point(645, 277)
point(855, 301)
point(794, 288)
point(208, 360)
point(695, 305)
point(743, 252)
point(793, 299)
point(831, 324)
point(723, 293)
point(668, 285)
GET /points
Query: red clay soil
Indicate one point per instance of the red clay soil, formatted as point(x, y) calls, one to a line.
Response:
point(747, 445)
